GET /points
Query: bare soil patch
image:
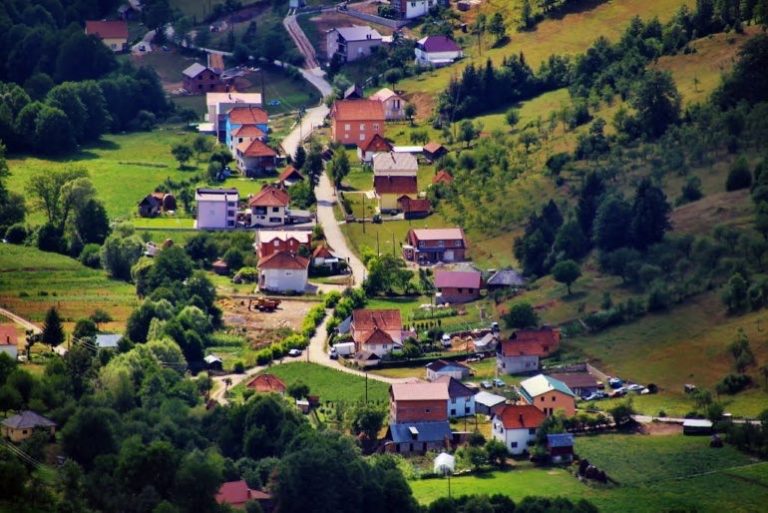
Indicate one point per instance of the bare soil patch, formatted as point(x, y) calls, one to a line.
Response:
point(264, 328)
point(660, 429)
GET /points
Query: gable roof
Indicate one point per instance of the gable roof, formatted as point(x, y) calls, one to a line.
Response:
point(267, 383)
point(375, 142)
point(107, 29)
point(488, 399)
point(248, 116)
point(506, 278)
point(439, 365)
point(455, 387)
point(442, 176)
point(290, 173)
point(576, 379)
point(270, 197)
point(434, 147)
point(378, 336)
point(300, 236)
point(395, 185)
point(358, 110)
point(541, 384)
point(358, 33)
point(420, 432)
point(248, 131)
point(459, 279)
point(529, 348)
point(395, 163)
point(560, 440)
point(255, 148)
point(408, 204)
point(438, 44)
point(548, 337)
point(322, 251)
point(195, 69)
point(434, 234)
point(9, 336)
point(28, 420)
point(365, 319)
point(383, 94)
point(517, 416)
point(237, 493)
point(421, 391)
point(284, 260)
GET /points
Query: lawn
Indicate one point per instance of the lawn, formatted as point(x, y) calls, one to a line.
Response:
point(389, 235)
point(197, 8)
point(329, 384)
point(657, 473)
point(408, 305)
point(32, 281)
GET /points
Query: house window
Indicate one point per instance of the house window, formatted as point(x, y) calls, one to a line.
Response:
point(230, 213)
point(512, 445)
point(453, 412)
point(277, 243)
point(553, 398)
point(427, 410)
point(375, 127)
point(362, 137)
point(275, 209)
point(532, 431)
point(453, 400)
point(230, 223)
point(347, 126)
point(542, 399)
point(362, 126)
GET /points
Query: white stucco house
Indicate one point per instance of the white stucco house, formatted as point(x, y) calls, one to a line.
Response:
point(515, 426)
point(283, 272)
point(216, 208)
point(440, 368)
point(436, 51)
point(461, 398)
point(394, 105)
point(409, 9)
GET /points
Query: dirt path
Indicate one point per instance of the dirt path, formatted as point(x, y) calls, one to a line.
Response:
point(20, 320)
point(301, 41)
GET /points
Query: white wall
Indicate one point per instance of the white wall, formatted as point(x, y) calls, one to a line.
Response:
point(515, 440)
point(425, 58)
point(416, 8)
point(10, 350)
point(433, 375)
point(517, 364)
point(213, 214)
point(283, 280)
point(463, 406)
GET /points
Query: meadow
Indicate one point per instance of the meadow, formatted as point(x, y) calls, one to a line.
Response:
point(655, 473)
point(32, 281)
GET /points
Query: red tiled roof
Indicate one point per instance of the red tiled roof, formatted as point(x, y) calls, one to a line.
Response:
point(576, 379)
point(9, 336)
point(248, 116)
point(270, 197)
point(375, 142)
point(515, 416)
point(442, 176)
point(284, 260)
point(408, 204)
point(377, 336)
point(248, 131)
point(395, 185)
point(419, 391)
point(220, 264)
point(458, 279)
point(255, 148)
point(433, 234)
point(527, 348)
point(365, 319)
point(548, 338)
point(267, 383)
point(290, 172)
point(107, 29)
point(237, 493)
point(358, 110)
point(322, 251)
point(433, 147)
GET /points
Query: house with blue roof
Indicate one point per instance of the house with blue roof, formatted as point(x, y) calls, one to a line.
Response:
point(560, 447)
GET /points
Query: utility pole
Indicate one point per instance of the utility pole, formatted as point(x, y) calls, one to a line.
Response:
point(378, 250)
point(364, 212)
point(366, 386)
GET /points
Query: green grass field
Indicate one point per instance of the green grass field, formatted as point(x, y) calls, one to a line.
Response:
point(330, 384)
point(656, 473)
point(32, 281)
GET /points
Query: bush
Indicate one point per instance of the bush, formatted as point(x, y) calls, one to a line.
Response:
point(332, 299)
point(16, 233)
point(49, 238)
point(739, 177)
point(733, 384)
point(91, 256)
point(263, 357)
point(238, 368)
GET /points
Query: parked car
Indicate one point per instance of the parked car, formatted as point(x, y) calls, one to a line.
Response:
point(594, 396)
point(634, 387)
point(495, 327)
point(499, 382)
point(446, 340)
point(618, 392)
point(615, 383)
point(486, 384)
point(333, 354)
point(294, 352)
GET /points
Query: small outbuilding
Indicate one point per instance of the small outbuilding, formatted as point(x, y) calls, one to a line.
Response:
point(444, 464)
point(22, 426)
point(213, 362)
point(560, 447)
point(697, 427)
point(220, 267)
point(488, 403)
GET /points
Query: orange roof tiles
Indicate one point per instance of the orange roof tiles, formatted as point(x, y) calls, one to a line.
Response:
point(284, 260)
point(358, 110)
point(515, 416)
point(270, 197)
point(248, 116)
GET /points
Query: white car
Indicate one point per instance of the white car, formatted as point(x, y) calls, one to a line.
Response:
point(294, 352)
point(634, 387)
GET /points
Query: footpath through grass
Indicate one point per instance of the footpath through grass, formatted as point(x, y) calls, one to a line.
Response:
point(656, 473)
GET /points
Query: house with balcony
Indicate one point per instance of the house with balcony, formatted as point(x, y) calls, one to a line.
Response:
point(394, 104)
point(352, 43)
point(426, 246)
point(269, 207)
point(254, 158)
point(216, 208)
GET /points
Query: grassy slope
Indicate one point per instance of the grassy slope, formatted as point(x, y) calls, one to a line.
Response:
point(74, 289)
point(666, 463)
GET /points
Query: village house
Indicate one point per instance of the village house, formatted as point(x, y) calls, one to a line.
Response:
point(372, 145)
point(418, 416)
point(548, 337)
point(440, 368)
point(548, 395)
point(22, 426)
point(219, 104)
point(377, 331)
point(213, 362)
point(394, 176)
point(269, 207)
point(560, 447)
point(323, 257)
point(394, 105)
point(354, 121)
point(200, 79)
point(414, 208)
point(581, 383)
point(437, 51)
point(290, 176)
point(431, 245)
point(239, 117)
point(154, 203)
point(352, 43)
point(487, 403)
point(283, 272)
point(254, 158)
point(220, 267)
point(519, 357)
point(461, 398)
point(457, 286)
point(442, 177)
point(267, 384)
point(515, 426)
point(216, 208)
point(245, 134)
point(9, 340)
point(409, 9)
point(434, 150)
point(273, 241)
point(353, 92)
point(237, 494)
point(114, 34)
point(505, 278)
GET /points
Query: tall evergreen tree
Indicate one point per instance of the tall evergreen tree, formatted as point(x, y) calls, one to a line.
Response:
point(53, 332)
point(650, 215)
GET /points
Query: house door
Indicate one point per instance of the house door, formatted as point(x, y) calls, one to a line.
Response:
point(448, 255)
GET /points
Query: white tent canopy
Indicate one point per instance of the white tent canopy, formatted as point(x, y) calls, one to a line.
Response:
point(445, 463)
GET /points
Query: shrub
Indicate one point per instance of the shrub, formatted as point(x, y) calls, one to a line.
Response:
point(91, 256)
point(733, 384)
point(238, 368)
point(332, 298)
point(263, 357)
point(16, 233)
point(739, 177)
